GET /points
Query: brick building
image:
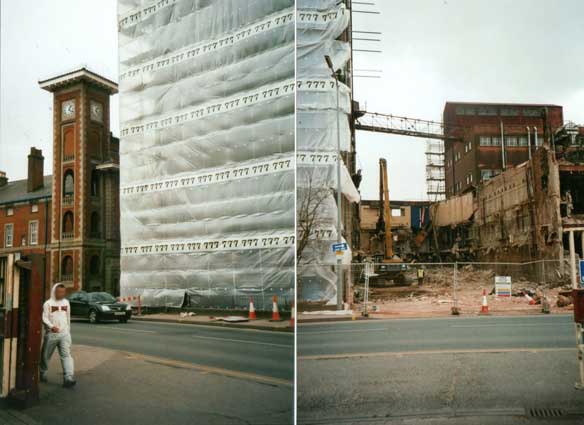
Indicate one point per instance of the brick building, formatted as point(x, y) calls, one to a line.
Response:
point(72, 217)
point(492, 137)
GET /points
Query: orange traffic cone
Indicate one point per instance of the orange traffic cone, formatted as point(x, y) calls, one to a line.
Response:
point(275, 312)
point(485, 306)
point(530, 300)
point(292, 315)
point(252, 313)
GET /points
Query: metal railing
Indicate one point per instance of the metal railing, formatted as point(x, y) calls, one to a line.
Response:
point(449, 284)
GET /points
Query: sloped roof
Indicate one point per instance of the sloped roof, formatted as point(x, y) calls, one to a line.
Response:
point(16, 191)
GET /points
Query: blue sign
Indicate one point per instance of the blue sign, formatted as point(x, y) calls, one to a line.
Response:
point(340, 247)
point(582, 273)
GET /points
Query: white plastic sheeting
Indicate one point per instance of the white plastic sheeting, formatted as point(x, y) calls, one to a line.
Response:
point(320, 23)
point(207, 151)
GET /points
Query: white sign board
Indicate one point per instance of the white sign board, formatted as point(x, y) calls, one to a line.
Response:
point(503, 286)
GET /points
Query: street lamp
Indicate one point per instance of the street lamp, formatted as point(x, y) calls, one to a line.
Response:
point(329, 63)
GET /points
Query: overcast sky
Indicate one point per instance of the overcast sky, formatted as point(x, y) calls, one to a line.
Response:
point(40, 39)
point(433, 51)
point(461, 50)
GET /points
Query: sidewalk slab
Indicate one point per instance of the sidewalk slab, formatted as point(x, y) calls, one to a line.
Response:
point(260, 324)
point(115, 387)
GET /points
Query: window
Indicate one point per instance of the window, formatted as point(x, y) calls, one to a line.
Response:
point(34, 207)
point(94, 265)
point(469, 111)
point(9, 211)
point(8, 235)
point(67, 268)
point(68, 183)
point(485, 141)
point(487, 110)
point(94, 183)
point(495, 141)
point(460, 110)
point(523, 141)
point(532, 113)
point(509, 112)
point(398, 212)
point(68, 221)
point(511, 141)
point(95, 225)
point(468, 178)
point(33, 232)
point(457, 156)
point(468, 147)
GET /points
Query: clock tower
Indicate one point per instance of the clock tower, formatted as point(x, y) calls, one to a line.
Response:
point(84, 228)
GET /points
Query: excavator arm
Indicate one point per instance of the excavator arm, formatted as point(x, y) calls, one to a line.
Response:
point(384, 221)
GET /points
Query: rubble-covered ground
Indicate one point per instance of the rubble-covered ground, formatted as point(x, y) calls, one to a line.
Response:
point(436, 295)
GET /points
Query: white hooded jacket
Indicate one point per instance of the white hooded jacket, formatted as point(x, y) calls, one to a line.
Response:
point(57, 313)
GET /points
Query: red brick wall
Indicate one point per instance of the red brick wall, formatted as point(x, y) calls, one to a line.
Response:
point(469, 128)
point(22, 216)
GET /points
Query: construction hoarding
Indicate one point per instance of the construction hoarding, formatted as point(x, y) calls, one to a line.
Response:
point(207, 152)
point(321, 25)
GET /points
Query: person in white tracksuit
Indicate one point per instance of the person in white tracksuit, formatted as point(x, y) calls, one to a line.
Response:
point(57, 324)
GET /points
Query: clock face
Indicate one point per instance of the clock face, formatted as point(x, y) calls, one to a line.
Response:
point(96, 111)
point(68, 109)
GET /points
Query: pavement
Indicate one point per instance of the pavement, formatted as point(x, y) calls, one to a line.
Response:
point(164, 373)
point(465, 370)
point(262, 323)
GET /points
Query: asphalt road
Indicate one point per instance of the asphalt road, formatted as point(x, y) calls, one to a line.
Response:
point(441, 370)
point(253, 352)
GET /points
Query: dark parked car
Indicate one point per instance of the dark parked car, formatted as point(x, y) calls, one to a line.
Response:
point(98, 306)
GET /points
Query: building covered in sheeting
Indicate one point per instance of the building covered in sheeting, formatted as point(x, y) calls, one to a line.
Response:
point(207, 152)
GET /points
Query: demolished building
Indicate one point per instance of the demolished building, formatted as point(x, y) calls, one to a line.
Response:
point(207, 93)
point(521, 214)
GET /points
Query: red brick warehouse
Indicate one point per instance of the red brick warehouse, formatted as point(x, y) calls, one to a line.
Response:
point(492, 137)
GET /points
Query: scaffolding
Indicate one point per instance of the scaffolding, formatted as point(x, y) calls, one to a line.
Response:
point(435, 174)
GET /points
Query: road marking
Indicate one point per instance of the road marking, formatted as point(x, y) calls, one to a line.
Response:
point(243, 341)
point(432, 352)
point(131, 330)
point(518, 325)
point(209, 369)
point(343, 331)
point(433, 319)
point(218, 327)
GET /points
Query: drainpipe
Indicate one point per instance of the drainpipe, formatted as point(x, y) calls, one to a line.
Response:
point(535, 133)
point(529, 143)
point(503, 148)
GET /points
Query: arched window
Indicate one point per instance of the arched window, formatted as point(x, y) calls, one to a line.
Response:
point(68, 183)
point(94, 183)
point(67, 268)
point(95, 224)
point(94, 265)
point(68, 221)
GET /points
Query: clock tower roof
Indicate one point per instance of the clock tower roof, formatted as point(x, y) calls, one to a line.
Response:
point(76, 76)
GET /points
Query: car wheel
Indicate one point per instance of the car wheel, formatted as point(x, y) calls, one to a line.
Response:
point(93, 316)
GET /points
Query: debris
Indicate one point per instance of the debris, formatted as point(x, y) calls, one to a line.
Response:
point(187, 314)
point(333, 312)
point(234, 319)
point(564, 301)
